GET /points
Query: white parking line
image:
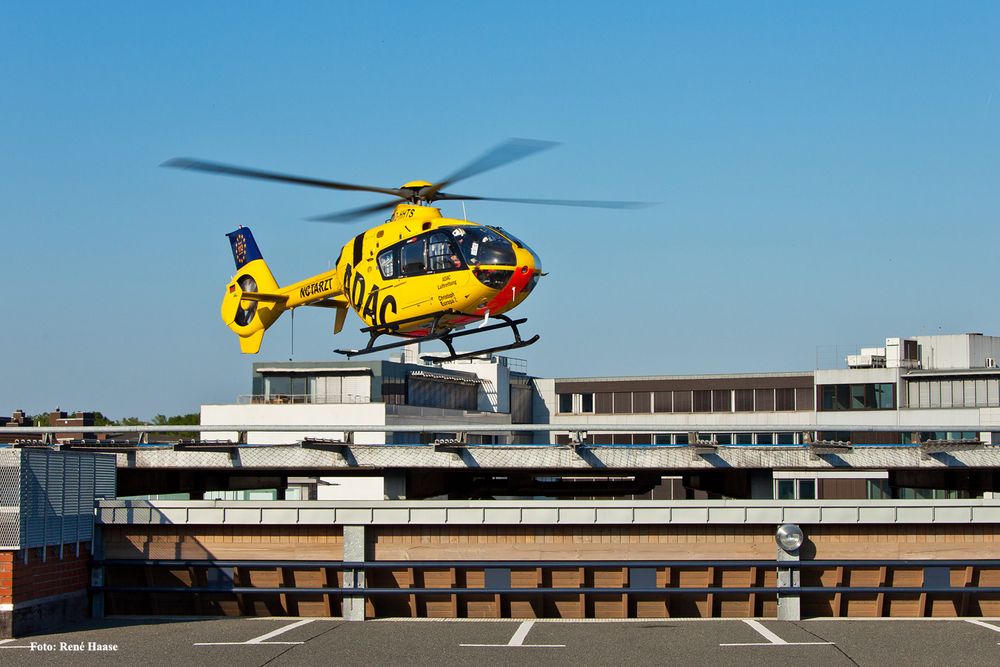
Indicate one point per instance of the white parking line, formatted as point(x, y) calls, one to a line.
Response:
point(5, 641)
point(263, 639)
point(517, 640)
point(773, 639)
point(983, 624)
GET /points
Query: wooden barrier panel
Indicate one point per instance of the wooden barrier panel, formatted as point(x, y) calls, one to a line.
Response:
point(886, 548)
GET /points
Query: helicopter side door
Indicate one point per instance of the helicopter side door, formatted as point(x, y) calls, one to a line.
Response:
point(429, 273)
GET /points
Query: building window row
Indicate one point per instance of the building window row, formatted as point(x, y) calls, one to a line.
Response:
point(872, 396)
point(953, 393)
point(696, 400)
point(783, 438)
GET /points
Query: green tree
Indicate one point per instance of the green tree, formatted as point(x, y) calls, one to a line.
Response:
point(43, 419)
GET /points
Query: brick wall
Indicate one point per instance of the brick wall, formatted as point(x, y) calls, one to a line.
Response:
point(22, 581)
point(6, 576)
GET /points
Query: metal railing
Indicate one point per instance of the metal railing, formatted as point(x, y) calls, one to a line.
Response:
point(293, 399)
point(638, 427)
point(357, 587)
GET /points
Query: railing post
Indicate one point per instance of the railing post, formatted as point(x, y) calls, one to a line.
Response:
point(355, 551)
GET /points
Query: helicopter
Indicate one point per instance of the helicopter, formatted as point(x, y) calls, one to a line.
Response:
point(418, 276)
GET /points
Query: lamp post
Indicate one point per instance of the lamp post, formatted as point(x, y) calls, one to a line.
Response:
point(789, 538)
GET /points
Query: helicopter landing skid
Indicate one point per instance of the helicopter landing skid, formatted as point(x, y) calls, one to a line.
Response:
point(446, 337)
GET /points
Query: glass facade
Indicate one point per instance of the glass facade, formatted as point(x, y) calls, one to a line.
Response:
point(687, 400)
point(836, 397)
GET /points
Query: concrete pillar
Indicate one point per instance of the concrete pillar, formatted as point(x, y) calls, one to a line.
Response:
point(355, 551)
point(789, 608)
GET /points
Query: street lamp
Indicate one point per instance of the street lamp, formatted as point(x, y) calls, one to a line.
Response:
point(789, 537)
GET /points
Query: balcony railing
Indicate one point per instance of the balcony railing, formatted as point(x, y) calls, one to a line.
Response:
point(288, 399)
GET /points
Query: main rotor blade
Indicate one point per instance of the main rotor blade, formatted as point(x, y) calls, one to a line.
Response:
point(505, 153)
point(229, 170)
point(354, 213)
point(589, 203)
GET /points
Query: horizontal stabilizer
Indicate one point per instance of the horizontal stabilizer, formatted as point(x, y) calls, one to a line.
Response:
point(264, 296)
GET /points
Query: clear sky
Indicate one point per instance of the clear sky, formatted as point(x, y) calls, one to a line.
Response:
point(827, 174)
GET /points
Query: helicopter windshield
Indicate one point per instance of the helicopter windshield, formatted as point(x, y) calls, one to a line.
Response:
point(483, 246)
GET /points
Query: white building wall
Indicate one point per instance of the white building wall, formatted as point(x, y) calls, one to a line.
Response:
point(322, 415)
point(945, 351)
point(983, 348)
point(494, 394)
point(857, 376)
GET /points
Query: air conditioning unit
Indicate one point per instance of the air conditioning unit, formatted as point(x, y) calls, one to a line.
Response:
point(991, 362)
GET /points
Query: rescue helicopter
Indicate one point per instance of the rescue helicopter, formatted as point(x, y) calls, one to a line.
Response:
point(418, 276)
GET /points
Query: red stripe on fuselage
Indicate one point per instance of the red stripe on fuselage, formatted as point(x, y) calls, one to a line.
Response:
point(509, 292)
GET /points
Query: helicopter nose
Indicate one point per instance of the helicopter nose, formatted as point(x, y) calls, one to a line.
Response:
point(526, 275)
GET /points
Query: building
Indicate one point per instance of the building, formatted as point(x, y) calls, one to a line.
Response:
point(884, 397)
point(949, 380)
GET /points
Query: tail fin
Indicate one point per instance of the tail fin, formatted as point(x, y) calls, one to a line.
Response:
point(251, 303)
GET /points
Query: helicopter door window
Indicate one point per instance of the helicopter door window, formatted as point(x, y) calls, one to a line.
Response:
point(414, 258)
point(387, 264)
point(442, 254)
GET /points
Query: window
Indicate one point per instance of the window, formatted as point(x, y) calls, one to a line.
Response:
point(702, 400)
point(662, 402)
point(804, 398)
point(744, 400)
point(878, 489)
point(442, 254)
point(884, 396)
point(586, 402)
point(795, 489)
point(413, 258)
point(565, 402)
point(623, 402)
point(722, 400)
point(483, 246)
point(682, 401)
point(641, 403)
point(784, 399)
point(881, 396)
point(765, 438)
point(764, 400)
point(744, 438)
point(387, 264)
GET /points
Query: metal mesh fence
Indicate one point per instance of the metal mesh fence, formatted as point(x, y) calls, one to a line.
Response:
point(47, 497)
point(10, 498)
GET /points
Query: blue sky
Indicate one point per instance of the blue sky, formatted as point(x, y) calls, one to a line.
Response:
point(827, 174)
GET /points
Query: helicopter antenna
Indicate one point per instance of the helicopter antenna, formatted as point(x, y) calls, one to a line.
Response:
point(292, 354)
point(465, 216)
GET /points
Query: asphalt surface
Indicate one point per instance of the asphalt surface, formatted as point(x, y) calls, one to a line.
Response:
point(283, 641)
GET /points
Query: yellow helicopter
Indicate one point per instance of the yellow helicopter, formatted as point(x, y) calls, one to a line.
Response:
point(418, 275)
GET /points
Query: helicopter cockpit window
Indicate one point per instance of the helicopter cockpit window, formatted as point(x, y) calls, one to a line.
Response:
point(413, 258)
point(482, 245)
point(387, 264)
point(442, 255)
